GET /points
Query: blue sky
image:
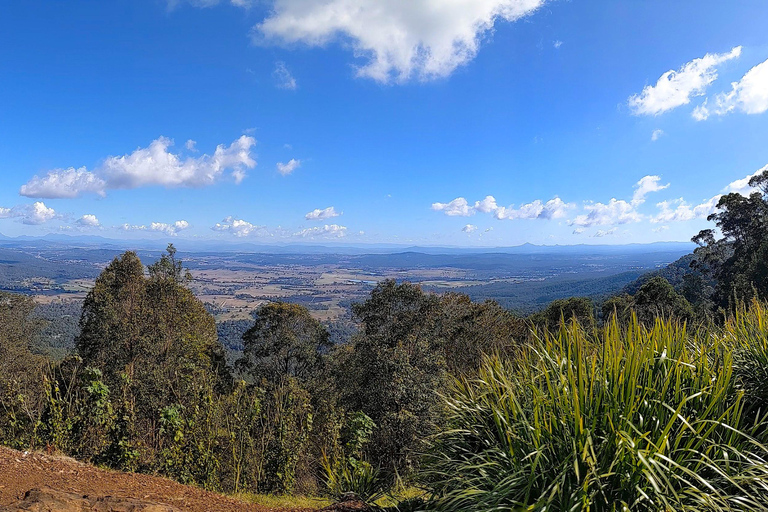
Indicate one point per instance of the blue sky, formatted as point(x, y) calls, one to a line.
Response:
point(379, 121)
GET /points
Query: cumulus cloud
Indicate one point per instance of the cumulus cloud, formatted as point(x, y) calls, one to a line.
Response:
point(422, 39)
point(88, 221)
point(65, 183)
point(605, 214)
point(456, 208)
point(656, 135)
point(325, 213)
point(742, 186)
point(287, 168)
point(678, 210)
point(676, 88)
point(283, 77)
point(601, 233)
point(238, 227)
point(327, 231)
point(169, 229)
point(555, 208)
point(749, 95)
point(487, 205)
point(469, 228)
point(158, 227)
point(36, 213)
point(154, 165)
point(645, 186)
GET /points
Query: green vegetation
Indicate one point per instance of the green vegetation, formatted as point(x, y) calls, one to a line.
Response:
point(631, 419)
point(653, 399)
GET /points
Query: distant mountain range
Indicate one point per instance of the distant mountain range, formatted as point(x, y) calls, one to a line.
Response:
point(193, 246)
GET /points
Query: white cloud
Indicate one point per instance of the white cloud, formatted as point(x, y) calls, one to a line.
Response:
point(150, 166)
point(656, 135)
point(742, 186)
point(557, 44)
point(469, 228)
point(600, 233)
point(283, 78)
point(645, 186)
point(676, 88)
point(36, 213)
point(487, 205)
point(401, 40)
point(245, 4)
point(64, 183)
point(287, 168)
point(88, 221)
point(169, 229)
point(240, 228)
point(661, 229)
point(600, 214)
point(326, 213)
point(132, 227)
point(191, 145)
point(749, 95)
point(456, 208)
point(158, 227)
point(701, 112)
point(555, 208)
point(680, 211)
point(578, 231)
point(327, 231)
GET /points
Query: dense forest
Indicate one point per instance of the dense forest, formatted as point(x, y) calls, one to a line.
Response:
point(653, 399)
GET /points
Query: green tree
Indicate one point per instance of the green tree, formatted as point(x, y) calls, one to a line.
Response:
point(738, 260)
point(155, 345)
point(21, 371)
point(392, 371)
point(656, 298)
point(470, 331)
point(285, 341)
point(580, 308)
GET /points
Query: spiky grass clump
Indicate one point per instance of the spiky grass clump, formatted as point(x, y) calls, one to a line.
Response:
point(635, 420)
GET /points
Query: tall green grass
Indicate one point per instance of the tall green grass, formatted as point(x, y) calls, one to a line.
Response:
point(624, 419)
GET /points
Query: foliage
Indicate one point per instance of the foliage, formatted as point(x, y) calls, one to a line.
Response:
point(656, 298)
point(349, 472)
point(636, 419)
point(20, 371)
point(470, 330)
point(580, 308)
point(285, 341)
point(739, 259)
point(392, 370)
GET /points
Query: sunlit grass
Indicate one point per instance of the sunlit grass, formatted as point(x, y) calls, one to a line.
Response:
point(629, 419)
point(268, 500)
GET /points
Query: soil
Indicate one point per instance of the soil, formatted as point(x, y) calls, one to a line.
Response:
point(26, 477)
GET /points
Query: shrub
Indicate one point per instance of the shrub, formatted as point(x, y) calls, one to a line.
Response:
point(638, 419)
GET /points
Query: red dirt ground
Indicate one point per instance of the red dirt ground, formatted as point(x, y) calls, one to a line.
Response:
point(20, 472)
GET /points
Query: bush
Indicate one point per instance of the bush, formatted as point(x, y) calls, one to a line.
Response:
point(639, 419)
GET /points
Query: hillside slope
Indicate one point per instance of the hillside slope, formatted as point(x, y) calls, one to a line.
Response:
point(20, 472)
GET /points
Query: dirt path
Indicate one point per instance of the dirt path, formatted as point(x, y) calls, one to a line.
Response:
point(20, 472)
